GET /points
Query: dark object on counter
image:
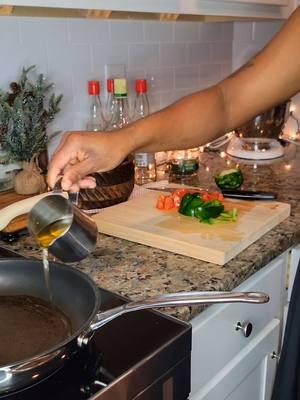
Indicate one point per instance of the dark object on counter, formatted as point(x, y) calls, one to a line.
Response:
point(266, 125)
point(113, 187)
point(77, 296)
point(9, 237)
point(287, 383)
point(229, 179)
point(249, 195)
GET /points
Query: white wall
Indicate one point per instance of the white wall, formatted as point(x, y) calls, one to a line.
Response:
point(177, 58)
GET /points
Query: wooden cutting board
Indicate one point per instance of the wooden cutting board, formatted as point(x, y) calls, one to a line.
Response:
point(139, 221)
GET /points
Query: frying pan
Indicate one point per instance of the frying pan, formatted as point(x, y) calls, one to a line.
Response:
point(77, 296)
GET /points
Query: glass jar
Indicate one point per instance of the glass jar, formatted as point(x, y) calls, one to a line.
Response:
point(183, 163)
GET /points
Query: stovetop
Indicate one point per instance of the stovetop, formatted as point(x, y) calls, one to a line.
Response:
point(141, 355)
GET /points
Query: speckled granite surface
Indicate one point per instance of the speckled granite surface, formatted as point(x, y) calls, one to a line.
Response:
point(137, 271)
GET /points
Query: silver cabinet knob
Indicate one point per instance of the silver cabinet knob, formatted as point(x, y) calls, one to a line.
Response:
point(275, 356)
point(245, 328)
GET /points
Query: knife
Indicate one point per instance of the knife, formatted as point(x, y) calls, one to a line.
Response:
point(233, 194)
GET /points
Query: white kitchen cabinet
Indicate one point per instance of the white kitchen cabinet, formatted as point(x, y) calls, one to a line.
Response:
point(250, 374)
point(224, 362)
point(231, 8)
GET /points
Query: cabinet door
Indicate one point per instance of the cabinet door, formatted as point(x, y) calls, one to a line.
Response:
point(215, 340)
point(250, 374)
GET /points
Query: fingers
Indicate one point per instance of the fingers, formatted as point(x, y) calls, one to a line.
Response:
point(88, 182)
point(63, 156)
point(76, 176)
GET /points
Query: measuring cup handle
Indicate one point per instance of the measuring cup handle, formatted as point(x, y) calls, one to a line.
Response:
point(57, 189)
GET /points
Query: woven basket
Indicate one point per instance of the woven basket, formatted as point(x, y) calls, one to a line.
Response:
point(113, 187)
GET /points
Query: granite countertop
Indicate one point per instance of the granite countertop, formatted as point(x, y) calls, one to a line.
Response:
point(139, 271)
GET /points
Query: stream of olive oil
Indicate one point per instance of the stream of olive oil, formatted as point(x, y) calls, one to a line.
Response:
point(45, 238)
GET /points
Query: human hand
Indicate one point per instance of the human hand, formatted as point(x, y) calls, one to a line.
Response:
point(82, 153)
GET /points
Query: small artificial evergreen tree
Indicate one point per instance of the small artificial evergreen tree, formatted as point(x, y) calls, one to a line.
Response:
point(25, 112)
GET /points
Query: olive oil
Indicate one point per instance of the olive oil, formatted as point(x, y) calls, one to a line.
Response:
point(53, 231)
point(45, 238)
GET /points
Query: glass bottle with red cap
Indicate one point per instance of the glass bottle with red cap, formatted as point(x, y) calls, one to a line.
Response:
point(96, 121)
point(110, 101)
point(145, 166)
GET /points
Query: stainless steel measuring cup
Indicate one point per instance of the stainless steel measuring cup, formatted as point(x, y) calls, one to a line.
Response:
point(78, 232)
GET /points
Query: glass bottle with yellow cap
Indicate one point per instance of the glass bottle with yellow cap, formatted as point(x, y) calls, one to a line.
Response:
point(120, 115)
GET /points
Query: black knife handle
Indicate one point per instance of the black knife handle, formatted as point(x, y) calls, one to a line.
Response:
point(249, 194)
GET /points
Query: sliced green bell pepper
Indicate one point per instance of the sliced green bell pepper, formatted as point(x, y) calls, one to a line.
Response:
point(194, 206)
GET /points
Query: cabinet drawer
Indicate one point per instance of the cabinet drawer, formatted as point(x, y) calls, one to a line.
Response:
point(215, 340)
point(250, 374)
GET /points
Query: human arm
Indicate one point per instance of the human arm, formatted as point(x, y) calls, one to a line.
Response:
point(271, 77)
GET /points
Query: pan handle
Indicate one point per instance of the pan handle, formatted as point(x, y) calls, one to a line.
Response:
point(172, 300)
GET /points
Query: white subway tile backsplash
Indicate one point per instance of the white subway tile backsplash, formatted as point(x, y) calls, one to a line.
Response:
point(127, 31)
point(228, 34)
point(74, 59)
point(158, 31)
point(84, 31)
point(185, 32)
point(264, 31)
point(43, 31)
point(210, 32)
point(143, 55)
point(198, 53)
point(176, 58)
point(20, 56)
point(221, 52)
point(243, 31)
point(186, 77)
point(160, 80)
point(243, 52)
point(226, 69)
point(108, 54)
point(167, 98)
point(210, 73)
point(154, 102)
point(172, 54)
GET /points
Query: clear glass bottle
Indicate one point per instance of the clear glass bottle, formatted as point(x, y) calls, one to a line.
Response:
point(120, 114)
point(96, 121)
point(145, 165)
point(110, 101)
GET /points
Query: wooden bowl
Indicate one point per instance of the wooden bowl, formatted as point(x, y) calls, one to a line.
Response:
point(113, 187)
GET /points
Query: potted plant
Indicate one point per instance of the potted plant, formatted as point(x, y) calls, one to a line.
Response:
point(25, 112)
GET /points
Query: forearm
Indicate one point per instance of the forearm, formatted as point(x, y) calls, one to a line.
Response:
point(190, 122)
point(268, 79)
